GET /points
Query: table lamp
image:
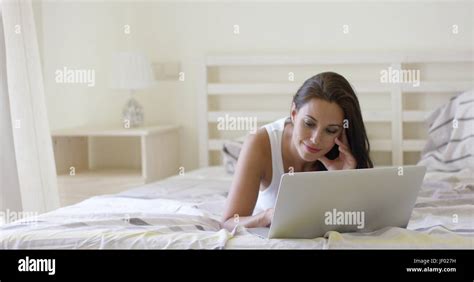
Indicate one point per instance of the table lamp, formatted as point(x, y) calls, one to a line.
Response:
point(131, 71)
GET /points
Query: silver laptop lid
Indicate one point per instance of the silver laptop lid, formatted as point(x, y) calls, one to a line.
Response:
point(309, 204)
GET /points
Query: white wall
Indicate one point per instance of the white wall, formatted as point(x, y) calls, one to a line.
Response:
point(84, 34)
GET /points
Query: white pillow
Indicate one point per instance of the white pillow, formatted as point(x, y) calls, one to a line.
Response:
point(451, 135)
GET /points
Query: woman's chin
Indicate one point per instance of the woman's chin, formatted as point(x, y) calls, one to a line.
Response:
point(310, 157)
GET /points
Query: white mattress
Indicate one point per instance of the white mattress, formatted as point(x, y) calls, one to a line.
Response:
point(184, 211)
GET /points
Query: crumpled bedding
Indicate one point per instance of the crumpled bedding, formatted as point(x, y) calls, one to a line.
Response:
point(183, 212)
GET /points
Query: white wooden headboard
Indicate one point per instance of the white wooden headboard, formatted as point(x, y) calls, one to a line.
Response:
point(262, 86)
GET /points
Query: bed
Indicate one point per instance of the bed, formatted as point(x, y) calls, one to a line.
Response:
point(183, 211)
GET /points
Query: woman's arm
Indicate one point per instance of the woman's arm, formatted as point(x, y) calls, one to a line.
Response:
point(262, 219)
point(246, 184)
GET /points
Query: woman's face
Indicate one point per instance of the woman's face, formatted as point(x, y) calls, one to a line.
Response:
point(316, 125)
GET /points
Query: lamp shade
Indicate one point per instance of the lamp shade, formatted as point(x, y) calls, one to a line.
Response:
point(131, 71)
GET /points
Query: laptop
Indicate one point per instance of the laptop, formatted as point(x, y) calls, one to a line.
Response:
point(309, 204)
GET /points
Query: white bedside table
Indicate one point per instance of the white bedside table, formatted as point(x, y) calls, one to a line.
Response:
point(92, 161)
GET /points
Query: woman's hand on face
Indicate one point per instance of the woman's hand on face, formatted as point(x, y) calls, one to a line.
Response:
point(345, 160)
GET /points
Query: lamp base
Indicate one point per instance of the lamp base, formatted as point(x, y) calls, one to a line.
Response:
point(132, 113)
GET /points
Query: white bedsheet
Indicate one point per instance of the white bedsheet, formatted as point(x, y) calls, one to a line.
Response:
point(183, 212)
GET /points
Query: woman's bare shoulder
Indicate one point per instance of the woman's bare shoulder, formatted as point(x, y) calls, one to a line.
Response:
point(256, 153)
point(259, 143)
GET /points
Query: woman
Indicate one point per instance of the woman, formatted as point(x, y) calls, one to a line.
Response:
point(325, 131)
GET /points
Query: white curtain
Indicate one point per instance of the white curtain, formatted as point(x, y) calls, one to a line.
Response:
point(27, 170)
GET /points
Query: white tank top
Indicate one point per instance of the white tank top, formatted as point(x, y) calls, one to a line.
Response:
point(267, 198)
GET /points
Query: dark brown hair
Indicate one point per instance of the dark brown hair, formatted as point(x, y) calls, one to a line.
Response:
point(333, 87)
